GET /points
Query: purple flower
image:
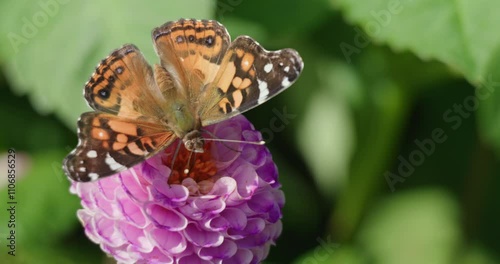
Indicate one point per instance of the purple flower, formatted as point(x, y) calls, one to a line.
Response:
point(227, 209)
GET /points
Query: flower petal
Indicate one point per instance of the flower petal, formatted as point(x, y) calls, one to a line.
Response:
point(170, 195)
point(226, 250)
point(202, 238)
point(233, 217)
point(166, 218)
point(171, 242)
point(193, 259)
point(132, 185)
point(132, 212)
point(135, 236)
point(106, 230)
point(242, 256)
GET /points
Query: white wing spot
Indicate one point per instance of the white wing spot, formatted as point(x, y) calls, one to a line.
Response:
point(92, 154)
point(263, 91)
point(82, 169)
point(285, 82)
point(286, 68)
point(268, 67)
point(112, 163)
point(93, 176)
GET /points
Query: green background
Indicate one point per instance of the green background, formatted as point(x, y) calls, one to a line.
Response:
point(381, 78)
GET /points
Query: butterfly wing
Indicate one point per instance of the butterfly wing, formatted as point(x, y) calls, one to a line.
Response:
point(222, 78)
point(123, 84)
point(128, 125)
point(191, 52)
point(109, 144)
point(248, 76)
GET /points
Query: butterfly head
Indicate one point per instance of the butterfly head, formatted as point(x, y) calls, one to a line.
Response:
point(193, 141)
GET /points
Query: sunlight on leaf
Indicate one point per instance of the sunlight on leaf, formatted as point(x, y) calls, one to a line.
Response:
point(53, 62)
point(326, 137)
point(413, 227)
point(462, 34)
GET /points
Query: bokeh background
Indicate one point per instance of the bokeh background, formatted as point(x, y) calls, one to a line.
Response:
point(390, 152)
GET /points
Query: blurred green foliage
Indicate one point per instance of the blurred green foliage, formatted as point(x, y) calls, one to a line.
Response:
point(380, 76)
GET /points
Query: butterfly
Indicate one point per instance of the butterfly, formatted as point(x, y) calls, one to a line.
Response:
point(202, 78)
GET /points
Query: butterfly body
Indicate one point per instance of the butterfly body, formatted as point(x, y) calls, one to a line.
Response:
point(202, 78)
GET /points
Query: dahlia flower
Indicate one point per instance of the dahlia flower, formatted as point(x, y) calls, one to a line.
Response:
point(226, 209)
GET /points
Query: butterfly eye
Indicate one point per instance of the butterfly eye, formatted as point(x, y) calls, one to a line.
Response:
point(103, 94)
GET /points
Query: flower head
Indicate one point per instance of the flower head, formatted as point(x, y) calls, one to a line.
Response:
point(225, 209)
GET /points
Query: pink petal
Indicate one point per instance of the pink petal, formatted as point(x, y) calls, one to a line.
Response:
point(133, 185)
point(173, 195)
point(110, 209)
point(209, 204)
point(224, 187)
point(171, 242)
point(217, 223)
point(254, 226)
point(226, 250)
point(136, 237)
point(235, 217)
point(269, 172)
point(166, 218)
point(88, 222)
point(155, 257)
point(106, 230)
point(193, 259)
point(247, 180)
point(202, 238)
point(132, 212)
point(262, 202)
point(254, 156)
point(242, 256)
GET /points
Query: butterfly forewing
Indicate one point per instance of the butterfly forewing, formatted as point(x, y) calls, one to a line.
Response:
point(109, 144)
point(191, 51)
point(248, 76)
point(123, 85)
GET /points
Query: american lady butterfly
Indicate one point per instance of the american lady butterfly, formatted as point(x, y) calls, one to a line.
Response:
point(203, 78)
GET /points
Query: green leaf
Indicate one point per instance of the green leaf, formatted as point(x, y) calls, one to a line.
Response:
point(379, 120)
point(45, 210)
point(50, 132)
point(53, 61)
point(326, 133)
point(462, 34)
point(421, 226)
point(476, 254)
point(459, 33)
point(281, 18)
point(333, 253)
point(296, 218)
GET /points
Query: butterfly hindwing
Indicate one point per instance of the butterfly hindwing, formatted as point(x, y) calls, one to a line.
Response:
point(123, 85)
point(248, 76)
point(109, 144)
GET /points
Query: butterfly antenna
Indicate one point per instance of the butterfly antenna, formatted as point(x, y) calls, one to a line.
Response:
point(224, 141)
point(189, 166)
point(175, 157)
